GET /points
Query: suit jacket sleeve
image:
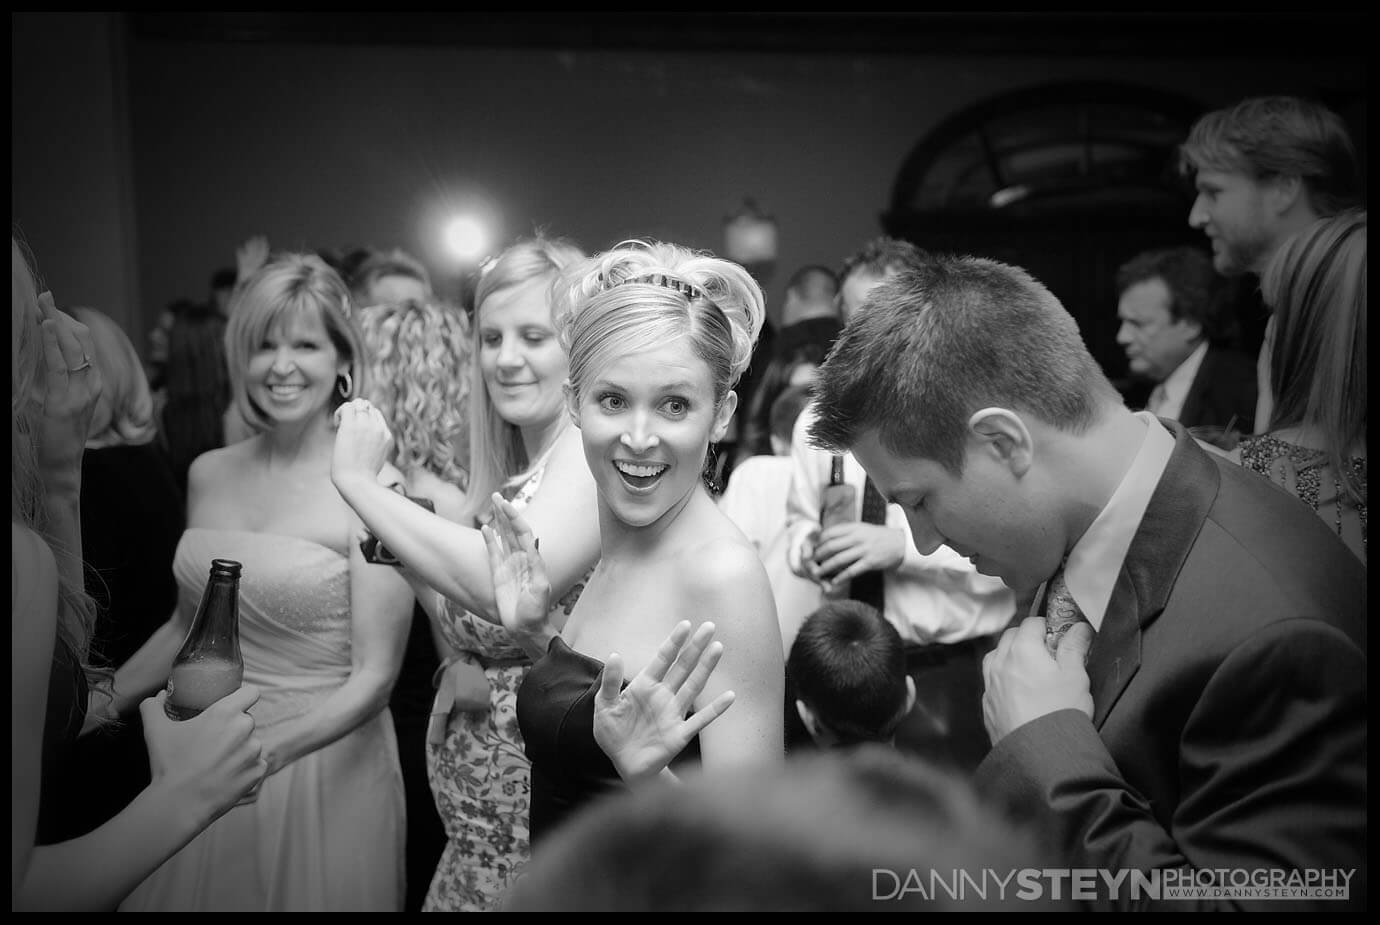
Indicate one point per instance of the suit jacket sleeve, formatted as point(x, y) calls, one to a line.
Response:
point(1271, 772)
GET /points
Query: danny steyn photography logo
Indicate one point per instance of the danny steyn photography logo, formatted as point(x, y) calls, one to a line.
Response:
point(1088, 884)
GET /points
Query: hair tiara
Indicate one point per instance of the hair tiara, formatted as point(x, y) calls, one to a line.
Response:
point(666, 281)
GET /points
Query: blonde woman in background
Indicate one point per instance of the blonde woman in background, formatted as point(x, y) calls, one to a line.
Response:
point(321, 629)
point(419, 358)
point(522, 446)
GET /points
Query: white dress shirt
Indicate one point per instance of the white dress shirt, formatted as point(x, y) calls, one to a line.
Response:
point(1167, 400)
point(1095, 560)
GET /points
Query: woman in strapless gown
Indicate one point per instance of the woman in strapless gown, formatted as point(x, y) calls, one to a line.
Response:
point(321, 629)
point(326, 831)
point(522, 444)
point(657, 335)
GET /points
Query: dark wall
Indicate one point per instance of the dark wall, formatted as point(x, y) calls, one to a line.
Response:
point(71, 195)
point(317, 144)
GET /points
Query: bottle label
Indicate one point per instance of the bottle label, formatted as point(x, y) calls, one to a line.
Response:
point(838, 505)
point(196, 685)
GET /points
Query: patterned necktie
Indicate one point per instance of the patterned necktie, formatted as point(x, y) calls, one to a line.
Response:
point(868, 587)
point(1061, 611)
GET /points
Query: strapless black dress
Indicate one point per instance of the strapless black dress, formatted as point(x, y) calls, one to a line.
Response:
point(555, 710)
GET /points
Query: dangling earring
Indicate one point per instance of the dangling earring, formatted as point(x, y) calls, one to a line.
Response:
point(346, 388)
point(712, 474)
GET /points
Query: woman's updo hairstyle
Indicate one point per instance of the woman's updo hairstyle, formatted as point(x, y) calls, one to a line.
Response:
point(641, 295)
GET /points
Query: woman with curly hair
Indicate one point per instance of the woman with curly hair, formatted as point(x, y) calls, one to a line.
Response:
point(419, 362)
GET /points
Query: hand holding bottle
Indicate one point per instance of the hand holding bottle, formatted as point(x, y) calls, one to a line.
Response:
point(839, 506)
point(207, 763)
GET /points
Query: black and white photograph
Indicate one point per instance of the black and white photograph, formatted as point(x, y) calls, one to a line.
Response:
point(629, 461)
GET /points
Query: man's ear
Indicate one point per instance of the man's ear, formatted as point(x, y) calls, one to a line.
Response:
point(572, 403)
point(1194, 329)
point(910, 695)
point(723, 416)
point(1002, 433)
point(1285, 193)
point(807, 716)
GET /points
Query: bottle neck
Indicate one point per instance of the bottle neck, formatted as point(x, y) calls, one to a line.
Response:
point(836, 470)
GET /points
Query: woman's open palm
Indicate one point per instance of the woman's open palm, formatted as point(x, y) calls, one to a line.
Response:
point(522, 592)
point(644, 726)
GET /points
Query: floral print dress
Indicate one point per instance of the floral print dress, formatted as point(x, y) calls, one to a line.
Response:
point(480, 776)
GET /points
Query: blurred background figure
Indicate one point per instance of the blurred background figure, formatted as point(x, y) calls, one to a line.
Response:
point(849, 669)
point(1265, 169)
point(389, 277)
point(833, 832)
point(131, 520)
point(755, 500)
point(786, 370)
point(1177, 340)
point(196, 389)
point(809, 323)
point(218, 301)
point(1316, 443)
point(419, 358)
point(811, 313)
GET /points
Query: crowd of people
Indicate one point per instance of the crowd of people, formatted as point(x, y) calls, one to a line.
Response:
point(963, 603)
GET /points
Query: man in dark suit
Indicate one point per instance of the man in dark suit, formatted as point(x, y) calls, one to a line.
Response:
point(1174, 334)
point(1217, 733)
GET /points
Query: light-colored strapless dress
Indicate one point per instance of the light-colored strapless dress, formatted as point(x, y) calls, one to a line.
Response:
point(326, 832)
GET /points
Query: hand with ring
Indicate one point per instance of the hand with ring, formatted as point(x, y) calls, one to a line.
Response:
point(67, 393)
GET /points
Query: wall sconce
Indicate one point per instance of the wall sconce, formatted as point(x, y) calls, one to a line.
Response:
point(750, 235)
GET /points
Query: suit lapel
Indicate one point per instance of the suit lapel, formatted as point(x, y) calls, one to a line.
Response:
point(1171, 524)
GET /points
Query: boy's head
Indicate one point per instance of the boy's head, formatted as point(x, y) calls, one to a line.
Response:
point(849, 669)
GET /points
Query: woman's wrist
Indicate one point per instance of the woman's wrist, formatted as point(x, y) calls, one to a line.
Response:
point(442, 668)
point(349, 482)
point(537, 640)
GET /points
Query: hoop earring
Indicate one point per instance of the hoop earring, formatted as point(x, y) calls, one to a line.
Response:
point(347, 388)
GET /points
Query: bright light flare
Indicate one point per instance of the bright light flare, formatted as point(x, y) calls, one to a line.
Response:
point(466, 238)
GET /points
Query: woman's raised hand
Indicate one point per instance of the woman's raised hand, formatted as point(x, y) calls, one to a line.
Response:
point(641, 728)
point(249, 257)
point(363, 442)
point(522, 592)
point(70, 387)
